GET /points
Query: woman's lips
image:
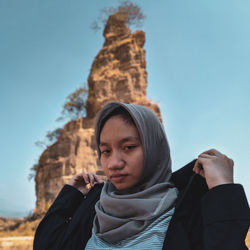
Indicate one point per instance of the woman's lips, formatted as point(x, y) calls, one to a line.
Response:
point(118, 177)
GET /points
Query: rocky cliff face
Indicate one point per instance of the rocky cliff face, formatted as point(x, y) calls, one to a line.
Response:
point(118, 73)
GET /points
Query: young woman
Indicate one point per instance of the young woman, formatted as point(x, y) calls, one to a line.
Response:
point(143, 205)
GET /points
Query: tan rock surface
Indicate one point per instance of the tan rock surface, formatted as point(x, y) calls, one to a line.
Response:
point(118, 73)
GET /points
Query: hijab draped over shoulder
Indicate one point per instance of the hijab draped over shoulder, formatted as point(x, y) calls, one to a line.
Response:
point(123, 214)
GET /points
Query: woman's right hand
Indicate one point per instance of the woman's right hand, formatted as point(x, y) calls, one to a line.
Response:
point(84, 181)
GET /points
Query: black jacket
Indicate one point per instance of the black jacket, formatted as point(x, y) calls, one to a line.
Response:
point(217, 219)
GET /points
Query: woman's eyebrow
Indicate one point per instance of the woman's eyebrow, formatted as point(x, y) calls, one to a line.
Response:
point(126, 139)
point(130, 138)
point(103, 144)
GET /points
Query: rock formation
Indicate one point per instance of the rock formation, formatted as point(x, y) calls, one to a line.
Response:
point(118, 73)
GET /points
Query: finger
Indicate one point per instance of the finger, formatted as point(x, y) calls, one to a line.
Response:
point(198, 169)
point(91, 179)
point(86, 178)
point(206, 156)
point(195, 170)
point(98, 179)
point(200, 172)
point(201, 161)
point(197, 166)
point(212, 152)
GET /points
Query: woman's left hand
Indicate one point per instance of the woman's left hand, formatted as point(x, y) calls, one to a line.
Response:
point(215, 167)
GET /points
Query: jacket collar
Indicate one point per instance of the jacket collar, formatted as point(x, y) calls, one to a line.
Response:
point(190, 185)
point(182, 177)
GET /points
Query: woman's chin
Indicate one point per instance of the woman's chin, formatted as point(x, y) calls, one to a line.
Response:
point(122, 186)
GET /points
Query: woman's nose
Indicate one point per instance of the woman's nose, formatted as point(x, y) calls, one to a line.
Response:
point(115, 161)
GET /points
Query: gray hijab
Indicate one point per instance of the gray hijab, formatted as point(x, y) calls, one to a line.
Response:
point(120, 215)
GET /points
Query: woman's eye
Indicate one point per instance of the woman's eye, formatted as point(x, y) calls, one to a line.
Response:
point(105, 151)
point(129, 147)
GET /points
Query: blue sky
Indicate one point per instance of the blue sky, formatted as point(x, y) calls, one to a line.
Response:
point(198, 61)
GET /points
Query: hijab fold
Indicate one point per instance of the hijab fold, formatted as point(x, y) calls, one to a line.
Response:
point(120, 215)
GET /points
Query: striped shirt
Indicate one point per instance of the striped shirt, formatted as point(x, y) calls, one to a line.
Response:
point(149, 239)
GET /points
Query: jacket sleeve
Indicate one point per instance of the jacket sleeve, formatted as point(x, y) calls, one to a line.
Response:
point(226, 218)
point(53, 226)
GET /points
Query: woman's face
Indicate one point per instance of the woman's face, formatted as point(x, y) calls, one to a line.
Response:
point(121, 153)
